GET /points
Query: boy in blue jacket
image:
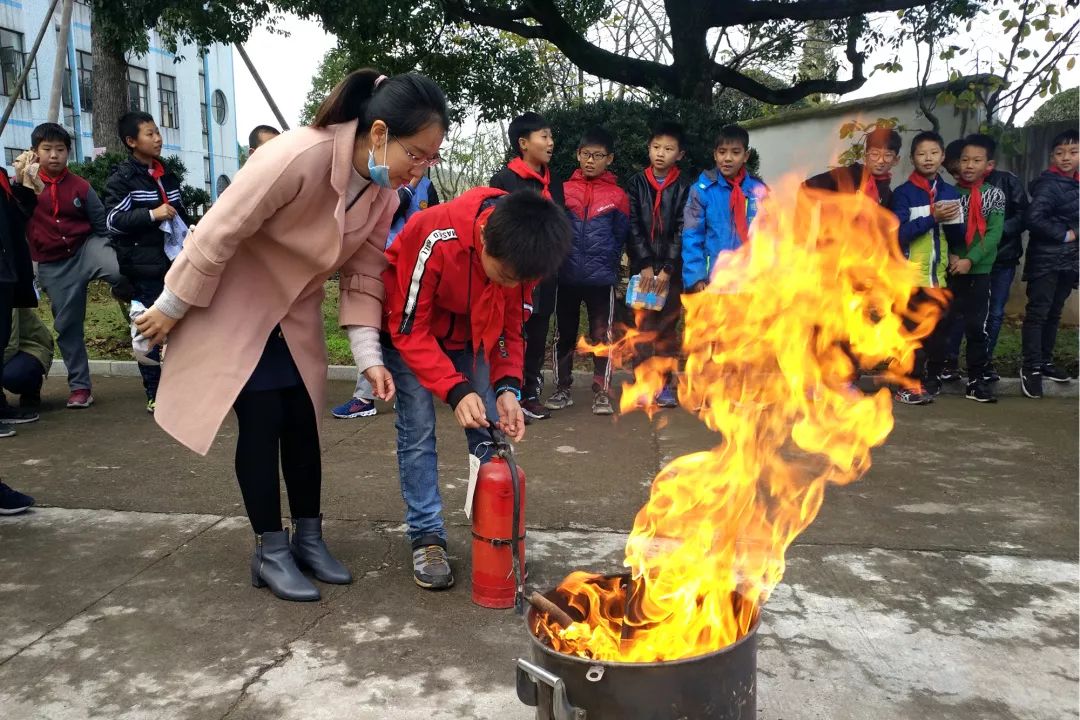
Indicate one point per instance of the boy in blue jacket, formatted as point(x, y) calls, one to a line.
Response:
point(930, 230)
point(720, 209)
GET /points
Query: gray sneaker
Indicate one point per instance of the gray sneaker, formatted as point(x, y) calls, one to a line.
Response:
point(431, 567)
point(559, 399)
point(601, 404)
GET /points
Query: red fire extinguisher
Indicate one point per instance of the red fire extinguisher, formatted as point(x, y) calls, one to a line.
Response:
point(498, 530)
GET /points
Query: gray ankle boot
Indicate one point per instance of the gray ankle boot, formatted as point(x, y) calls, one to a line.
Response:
point(273, 565)
point(310, 551)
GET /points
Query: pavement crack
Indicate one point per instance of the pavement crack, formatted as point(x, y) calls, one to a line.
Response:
point(119, 585)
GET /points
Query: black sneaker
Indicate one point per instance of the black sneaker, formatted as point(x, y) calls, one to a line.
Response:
point(1031, 383)
point(951, 373)
point(13, 502)
point(932, 387)
point(17, 416)
point(6, 431)
point(431, 566)
point(908, 396)
point(979, 392)
point(534, 409)
point(990, 375)
point(1051, 372)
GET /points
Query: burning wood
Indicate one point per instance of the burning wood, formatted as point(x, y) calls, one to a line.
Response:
point(772, 348)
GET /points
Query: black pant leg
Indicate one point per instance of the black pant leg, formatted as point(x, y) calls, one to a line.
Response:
point(536, 332)
point(567, 320)
point(600, 308)
point(260, 415)
point(1062, 291)
point(301, 458)
point(975, 309)
point(1040, 297)
point(147, 292)
point(7, 302)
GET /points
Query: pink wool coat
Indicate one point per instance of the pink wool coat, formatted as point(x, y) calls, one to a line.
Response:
point(259, 258)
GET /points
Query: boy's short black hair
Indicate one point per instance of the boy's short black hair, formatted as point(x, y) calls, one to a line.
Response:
point(523, 126)
point(885, 138)
point(598, 136)
point(253, 136)
point(927, 136)
point(979, 140)
point(667, 128)
point(732, 133)
point(1068, 137)
point(954, 150)
point(528, 233)
point(50, 132)
point(129, 123)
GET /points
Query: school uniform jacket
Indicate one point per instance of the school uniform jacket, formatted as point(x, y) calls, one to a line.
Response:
point(709, 226)
point(925, 242)
point(130, 194)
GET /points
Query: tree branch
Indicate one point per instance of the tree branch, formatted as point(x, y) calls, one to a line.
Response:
point(742, 12)
point(485, 15)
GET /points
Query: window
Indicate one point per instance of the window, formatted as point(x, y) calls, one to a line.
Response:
point(138, 89)
point(222, 183)
point(169, 114)
point(202, 119)
point(206, 169)
point(65, 87)
point(10, 154)
point(86, 85)
point(12, 62)
point(221, 107)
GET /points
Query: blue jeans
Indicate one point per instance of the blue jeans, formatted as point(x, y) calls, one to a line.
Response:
point(418, 462)
point(1001, 280)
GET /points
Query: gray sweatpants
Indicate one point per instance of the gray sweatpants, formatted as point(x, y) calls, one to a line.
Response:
point(65, 282)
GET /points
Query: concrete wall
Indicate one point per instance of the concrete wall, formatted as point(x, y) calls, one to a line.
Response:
point(25, 16)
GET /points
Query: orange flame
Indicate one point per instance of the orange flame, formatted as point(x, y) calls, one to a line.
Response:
point(772, 349)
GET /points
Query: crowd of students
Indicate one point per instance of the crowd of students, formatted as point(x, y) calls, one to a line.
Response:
point(455, 300)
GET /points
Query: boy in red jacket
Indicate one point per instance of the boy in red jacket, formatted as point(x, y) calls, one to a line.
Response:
point(459, 280)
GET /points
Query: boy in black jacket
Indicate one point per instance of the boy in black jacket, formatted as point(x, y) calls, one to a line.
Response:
point(657, 200)
point(1052, 268)
point(1010, 250)
point(530, 138)
point(146, 221)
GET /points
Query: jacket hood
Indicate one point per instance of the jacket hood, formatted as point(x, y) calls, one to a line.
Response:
point(608, 178)
point(1050, 177)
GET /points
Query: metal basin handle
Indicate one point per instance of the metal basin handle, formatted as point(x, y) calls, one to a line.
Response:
point(530, 674)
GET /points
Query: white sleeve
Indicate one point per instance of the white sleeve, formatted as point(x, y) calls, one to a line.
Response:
point(171, 305)
point(364, 342)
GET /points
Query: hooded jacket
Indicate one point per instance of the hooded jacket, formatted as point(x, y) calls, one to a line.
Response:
point(662, 249)
point(433, 288)
point(600, 217)
point(1051, 214)
point(130, 196)
point(709, 226)
point(1011, 247)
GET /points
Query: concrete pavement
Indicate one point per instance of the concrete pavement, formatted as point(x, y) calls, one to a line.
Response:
point(942, 585)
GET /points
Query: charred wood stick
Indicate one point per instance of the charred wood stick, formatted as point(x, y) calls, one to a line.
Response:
point(553, 611)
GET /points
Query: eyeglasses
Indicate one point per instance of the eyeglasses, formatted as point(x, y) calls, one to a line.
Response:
point(592, 155)
point(879, 155)
point(418, 161)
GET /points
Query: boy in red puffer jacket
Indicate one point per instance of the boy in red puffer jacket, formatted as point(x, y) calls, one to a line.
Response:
point(600, 215)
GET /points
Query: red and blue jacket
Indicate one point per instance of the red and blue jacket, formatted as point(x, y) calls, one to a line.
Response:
point(599, 213)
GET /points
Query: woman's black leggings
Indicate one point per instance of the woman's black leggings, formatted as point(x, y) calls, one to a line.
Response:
point(273, 420)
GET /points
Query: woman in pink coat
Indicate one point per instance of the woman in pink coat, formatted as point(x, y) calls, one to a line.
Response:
point(248, 287)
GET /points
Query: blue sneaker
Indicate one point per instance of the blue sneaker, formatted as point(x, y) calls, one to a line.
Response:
point(667, 398)
point(13, 502)
point(354, 408)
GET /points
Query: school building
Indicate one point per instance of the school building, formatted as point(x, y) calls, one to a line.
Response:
point(191, 97)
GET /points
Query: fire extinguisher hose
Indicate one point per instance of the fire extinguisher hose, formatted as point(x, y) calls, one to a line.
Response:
point(506, 451)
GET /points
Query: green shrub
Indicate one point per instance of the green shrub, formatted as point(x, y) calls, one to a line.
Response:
point(97, 173)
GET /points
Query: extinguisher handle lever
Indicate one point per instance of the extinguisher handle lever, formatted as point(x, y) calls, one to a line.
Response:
point(497, 435)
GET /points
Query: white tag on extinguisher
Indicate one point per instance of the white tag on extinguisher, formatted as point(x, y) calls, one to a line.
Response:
point(474, 473)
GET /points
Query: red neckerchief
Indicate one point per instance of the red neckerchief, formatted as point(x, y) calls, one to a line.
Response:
point(658, 194)
point(738, 204)
point(53, 183)
point(521, 168)
point(1058, 171)
point(157, 171)
point(930, 188)
point(487, 312)
point(5, 184)
point(976, 219)
point(870, 181)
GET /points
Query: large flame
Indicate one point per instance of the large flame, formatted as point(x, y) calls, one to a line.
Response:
point(772, 348)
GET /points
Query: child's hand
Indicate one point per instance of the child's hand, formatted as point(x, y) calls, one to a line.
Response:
point(1070, 236)
point(382, 383)
point(645, 284)
point(511, 418)
point(154, 325)
point(471, 413)
point(662, 281)
point(946, 210)
point(163, 212)
point(960, 267)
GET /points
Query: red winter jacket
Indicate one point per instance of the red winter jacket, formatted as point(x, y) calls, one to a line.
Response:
point(63, 221)
point(433, 285)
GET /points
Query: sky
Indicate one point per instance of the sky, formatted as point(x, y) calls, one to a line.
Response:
point(287, 64)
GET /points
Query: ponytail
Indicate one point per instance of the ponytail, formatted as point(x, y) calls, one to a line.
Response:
point(407, 103)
